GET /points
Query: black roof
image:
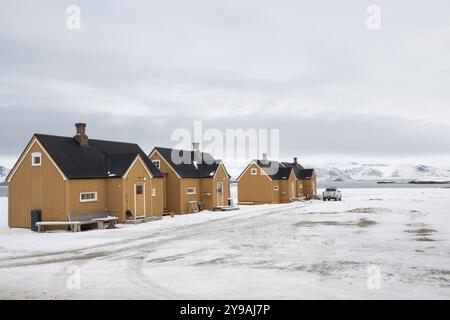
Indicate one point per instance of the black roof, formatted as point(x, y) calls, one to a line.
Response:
point(300, 172)
point(292, 165)
point(190, 164)
point(274, 169)
point(306, 174)
point(101, 159)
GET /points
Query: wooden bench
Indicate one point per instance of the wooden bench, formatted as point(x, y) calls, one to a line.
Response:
point(78, 219)
point(75, 226)
point(94, 218)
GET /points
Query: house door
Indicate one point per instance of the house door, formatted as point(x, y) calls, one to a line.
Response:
point(293, 190)
point(219, 194)
point(300, 189)
point(139, 200)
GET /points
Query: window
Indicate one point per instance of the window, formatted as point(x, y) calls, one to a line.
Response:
point(139, 189)
point(191, 190)
point(36, 159)
point(275, 188)
point(157, 163)
point(88, 196)
point(253, 171)
point(153, 192)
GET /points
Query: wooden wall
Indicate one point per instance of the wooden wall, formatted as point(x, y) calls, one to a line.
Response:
point(36, 187)
point(172, 185)
point(137, 173)
point(310, 186)
point(221, 175)
point(287, 194)
point(275, 194)
point(206, 186)
point(88, 185)
point(116, 198)
point(185, 198)
point(300, 191)
point(158, 200)
point(255, 188)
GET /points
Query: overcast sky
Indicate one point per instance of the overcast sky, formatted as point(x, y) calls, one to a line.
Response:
point(137, 70)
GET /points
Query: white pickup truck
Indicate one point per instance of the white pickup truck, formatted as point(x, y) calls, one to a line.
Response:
point(332, 193)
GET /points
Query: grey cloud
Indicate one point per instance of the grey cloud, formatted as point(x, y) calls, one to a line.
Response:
point(138, 70)
point(363, 134)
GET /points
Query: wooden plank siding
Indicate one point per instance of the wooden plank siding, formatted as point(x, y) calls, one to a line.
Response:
point(77, 186)
point(207, 187)
point(257, 188)
point(172, 186)
point(275, 194)
point(260, 189)
point(221, 175)
point(287, 194)
point(176, 197)
point(310, 186)
point(36, 187)
point(116, 198)
point(45, 188)
point(158, 199)
point(300, 190)
point(185, 198)
point(137, 173)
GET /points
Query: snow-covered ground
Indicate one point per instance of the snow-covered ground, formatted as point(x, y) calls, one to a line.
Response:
point(324, 250)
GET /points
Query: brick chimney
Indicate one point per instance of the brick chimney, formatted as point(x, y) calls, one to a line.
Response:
point(196, 146)
point(295, 161)
point(264, 156)
point(81, 136)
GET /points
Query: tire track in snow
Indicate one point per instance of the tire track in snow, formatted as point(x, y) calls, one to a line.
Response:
point(143, 242)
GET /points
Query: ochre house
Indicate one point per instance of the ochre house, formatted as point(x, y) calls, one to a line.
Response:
point(61, 175)
point(191, 179)
point(306, 179)
point(264, 181)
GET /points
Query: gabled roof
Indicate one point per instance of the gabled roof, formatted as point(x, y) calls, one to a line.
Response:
point(292, 165)
point(306, 174)
point(300, 172)
point(274, 169)
point(190, 164)
point(102, 159)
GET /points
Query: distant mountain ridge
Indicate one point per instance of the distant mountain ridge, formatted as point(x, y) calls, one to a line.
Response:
point(356, 171)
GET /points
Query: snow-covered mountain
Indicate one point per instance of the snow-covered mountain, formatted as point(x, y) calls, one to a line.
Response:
point(3, 173)
point(358, 171)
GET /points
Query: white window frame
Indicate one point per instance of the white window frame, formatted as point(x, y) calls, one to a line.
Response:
point(157, 163)
point(193, 190)
point(275, 188)
point(89, 200)
point(153, 192)
point(253, 171)
point(35, 155)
